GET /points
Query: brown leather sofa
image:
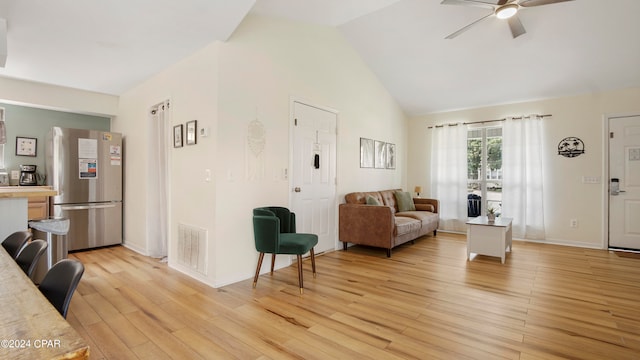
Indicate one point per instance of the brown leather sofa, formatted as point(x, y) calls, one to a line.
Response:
point(383, 225)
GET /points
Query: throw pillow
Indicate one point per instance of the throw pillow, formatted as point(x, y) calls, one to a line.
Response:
point(405, 201)
point(372, 201)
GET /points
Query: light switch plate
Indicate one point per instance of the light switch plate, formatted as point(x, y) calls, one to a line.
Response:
point(591, 179)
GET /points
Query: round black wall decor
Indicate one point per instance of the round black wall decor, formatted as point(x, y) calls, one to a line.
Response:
point(570, 147)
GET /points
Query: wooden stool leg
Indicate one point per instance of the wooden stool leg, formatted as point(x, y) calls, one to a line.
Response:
point(273, 262)
point(313, 262)
point(255, 278)
point(300, 272)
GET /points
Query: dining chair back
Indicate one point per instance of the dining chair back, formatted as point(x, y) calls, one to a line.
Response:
point(60, 282)
point(28, 258)
point(15, 242)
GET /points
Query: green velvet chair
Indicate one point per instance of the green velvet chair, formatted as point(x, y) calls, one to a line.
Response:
point(274, 230)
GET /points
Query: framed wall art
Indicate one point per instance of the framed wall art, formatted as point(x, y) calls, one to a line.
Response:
point(192, 128)
point(177, 136)
point(366, 153)
point(391, 156)
point(381, 154)
point(26, 146)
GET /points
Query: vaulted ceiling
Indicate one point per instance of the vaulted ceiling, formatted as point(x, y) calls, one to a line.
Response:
point(570, 48)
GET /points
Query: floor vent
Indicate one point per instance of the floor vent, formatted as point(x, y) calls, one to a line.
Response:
point(192, 247)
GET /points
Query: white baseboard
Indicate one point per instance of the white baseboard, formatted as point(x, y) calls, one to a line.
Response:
point(135, 248)
point(549, 241)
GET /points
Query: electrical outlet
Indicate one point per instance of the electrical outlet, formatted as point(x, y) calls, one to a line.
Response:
point(573, 223)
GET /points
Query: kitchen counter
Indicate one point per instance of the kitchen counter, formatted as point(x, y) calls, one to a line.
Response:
point(26, 191)
point(14, 206)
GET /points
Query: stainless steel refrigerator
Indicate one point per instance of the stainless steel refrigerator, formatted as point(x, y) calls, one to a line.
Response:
point(85, 167)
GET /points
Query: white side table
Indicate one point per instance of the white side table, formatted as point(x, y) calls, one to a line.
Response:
point(485, 238)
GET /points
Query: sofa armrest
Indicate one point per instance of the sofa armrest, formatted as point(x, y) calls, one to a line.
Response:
point(366, 224)
point(422, 203)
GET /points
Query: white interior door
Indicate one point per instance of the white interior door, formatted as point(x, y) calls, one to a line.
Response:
point(313, 179)
point(624, 166)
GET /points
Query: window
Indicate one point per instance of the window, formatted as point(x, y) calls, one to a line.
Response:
point(484, 170)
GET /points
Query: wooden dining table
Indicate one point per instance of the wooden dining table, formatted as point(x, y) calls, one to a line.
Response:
point(30, 327)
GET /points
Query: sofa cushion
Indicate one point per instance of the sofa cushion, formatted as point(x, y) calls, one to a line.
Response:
point(372, 201)
point(426, 218)
point(406, 225)
point(361, 197)
point(405, 201)
point(389, 199)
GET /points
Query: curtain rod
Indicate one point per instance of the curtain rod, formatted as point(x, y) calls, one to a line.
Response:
point(485, 121)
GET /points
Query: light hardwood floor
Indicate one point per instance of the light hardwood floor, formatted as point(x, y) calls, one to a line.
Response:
point(425, 302)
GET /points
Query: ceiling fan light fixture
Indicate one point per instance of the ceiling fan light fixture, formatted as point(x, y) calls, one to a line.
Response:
point(506, 11)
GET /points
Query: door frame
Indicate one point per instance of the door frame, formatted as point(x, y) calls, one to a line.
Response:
point(292, 101)
point(605, 172)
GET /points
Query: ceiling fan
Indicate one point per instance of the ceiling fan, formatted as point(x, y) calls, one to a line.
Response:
point(503, 9)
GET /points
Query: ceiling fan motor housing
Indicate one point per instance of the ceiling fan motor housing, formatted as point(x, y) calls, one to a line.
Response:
point(506, 11)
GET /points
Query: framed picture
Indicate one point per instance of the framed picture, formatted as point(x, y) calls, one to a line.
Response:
point(391, 156)
point(177, 136)
point(366, 153)
point(381, 154)
point(26, 146)
point(192, 128)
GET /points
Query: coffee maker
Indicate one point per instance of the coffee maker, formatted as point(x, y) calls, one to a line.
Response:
point(28, 175)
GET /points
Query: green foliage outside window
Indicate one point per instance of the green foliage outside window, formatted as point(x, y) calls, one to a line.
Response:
point(494, 150)
point(474, 155)
point(474, 160)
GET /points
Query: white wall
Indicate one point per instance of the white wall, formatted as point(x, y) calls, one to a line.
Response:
point(263, 65)
point(191, 85)
point(255, 74)
point(566, 197)
point(53, 97)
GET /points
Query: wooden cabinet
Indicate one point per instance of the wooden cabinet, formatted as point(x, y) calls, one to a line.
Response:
point(38, 207)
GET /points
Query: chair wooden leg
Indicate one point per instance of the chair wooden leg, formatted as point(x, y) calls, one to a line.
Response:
point(255, 278)
point(300, 272)
point(273, 262)
point(313, 262)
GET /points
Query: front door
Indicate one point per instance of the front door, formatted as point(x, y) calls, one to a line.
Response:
point(314, 173)
point(624, 181)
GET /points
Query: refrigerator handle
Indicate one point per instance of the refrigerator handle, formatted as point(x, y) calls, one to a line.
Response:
point(86, 207)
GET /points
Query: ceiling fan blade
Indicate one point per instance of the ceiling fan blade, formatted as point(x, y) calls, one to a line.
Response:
point(516, 26)
point(531, 3)
point(502, 2)
point(482, 4)
point(467, 27)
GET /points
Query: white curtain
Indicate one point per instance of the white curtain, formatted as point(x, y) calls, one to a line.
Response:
point(449, 174)
point(3, 138)
point(522, 193)
point(157, 189)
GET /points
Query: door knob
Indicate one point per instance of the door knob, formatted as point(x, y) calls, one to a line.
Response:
point(296, 189)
